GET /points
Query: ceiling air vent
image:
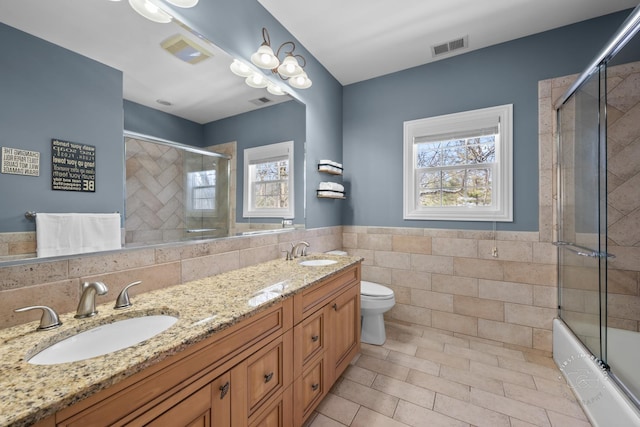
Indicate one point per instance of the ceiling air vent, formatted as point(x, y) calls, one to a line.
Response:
point(448, 47)
point(260, 101)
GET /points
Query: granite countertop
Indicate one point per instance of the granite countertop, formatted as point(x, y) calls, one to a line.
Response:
point(203, 307)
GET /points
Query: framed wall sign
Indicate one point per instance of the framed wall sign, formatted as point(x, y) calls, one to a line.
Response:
point(17, 161)
point(73, 166)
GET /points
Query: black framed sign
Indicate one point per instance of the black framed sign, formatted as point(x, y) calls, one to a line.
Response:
point(73, 166)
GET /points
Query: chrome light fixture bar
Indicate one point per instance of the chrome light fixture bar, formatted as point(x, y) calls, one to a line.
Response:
point(289, 69)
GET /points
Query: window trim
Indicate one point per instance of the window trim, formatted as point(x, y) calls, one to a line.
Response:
point(502, 191)
point(191, 199)
point(255, 155)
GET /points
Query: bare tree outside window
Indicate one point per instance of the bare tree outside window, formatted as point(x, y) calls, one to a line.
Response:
point(456, 172)
point(271, 184)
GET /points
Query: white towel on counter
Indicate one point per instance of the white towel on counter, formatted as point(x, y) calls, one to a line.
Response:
point(76, 233)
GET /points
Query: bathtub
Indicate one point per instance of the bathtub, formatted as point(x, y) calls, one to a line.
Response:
point(602, 400)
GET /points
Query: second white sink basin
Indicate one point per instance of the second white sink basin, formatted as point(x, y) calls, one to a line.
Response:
point(317, 262)
point(104, 339)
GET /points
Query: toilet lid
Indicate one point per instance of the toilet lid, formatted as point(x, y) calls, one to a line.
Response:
point(374, 290)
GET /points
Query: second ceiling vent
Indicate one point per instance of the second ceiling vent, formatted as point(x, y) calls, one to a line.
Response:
point(448, 47)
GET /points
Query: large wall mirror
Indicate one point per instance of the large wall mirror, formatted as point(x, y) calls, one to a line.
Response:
point(91, 72)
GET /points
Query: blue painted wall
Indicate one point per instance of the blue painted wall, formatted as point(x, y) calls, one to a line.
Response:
point(236, 27)
point(57, 94)
point(270, 125)
point(141, 119)
point(374, 112)
point(48, 92)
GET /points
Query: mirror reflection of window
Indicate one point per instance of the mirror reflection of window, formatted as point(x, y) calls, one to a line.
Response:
point(202, 190)
point(268, 181)
point(269, 184)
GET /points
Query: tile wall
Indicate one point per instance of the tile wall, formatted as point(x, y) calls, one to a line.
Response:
point(449, 280)
point(57, 283)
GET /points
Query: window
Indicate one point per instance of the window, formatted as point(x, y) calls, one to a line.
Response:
point(459, 166)
point(202, 190)
point(268, 181)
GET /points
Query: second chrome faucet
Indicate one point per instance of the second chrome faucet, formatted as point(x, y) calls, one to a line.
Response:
point(87, 304)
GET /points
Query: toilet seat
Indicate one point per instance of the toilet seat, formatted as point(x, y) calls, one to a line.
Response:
point(374, 290)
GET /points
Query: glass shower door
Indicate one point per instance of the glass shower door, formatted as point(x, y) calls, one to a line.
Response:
point(582, 218)
point(206, 196)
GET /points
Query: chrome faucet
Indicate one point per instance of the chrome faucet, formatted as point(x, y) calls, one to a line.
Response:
point(87, 304)
point(49, 319)
point(299, 249)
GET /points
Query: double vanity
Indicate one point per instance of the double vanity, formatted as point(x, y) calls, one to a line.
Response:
point(256, 346)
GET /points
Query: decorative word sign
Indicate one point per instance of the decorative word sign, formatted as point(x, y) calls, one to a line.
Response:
point(73, 166)
point(20, 162)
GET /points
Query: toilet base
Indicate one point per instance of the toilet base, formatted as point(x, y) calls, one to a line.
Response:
point(373, 330)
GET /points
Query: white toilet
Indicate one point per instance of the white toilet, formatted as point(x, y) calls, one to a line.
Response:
point(375, 300)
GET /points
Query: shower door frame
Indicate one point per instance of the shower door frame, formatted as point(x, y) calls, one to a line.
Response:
point(627, 31)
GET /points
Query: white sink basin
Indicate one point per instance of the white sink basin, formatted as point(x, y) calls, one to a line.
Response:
point(317, 262)
point(104, 339)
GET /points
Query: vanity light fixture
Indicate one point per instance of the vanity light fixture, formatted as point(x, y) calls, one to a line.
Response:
point(254, 78)
point(289, 69)
point(152, 12)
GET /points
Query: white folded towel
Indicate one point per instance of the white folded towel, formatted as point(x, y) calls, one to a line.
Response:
point(330, 194)
point(333, 186)
point(74, 233)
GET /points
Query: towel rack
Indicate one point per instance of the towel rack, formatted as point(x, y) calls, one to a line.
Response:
point(33, 214)
point(582, 250)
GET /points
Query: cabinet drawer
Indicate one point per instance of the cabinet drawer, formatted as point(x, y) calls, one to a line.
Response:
point(312, 384)
point(277, 412)
point(315, 296)
point(192, 411)
point(264, 374)
point(310, 388)
point(309, 338)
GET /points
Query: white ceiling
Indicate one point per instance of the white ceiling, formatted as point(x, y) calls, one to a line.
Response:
point(114, 34)
point(360, 39)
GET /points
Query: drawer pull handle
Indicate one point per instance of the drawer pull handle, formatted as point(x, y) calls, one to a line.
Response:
point(335, 306)
point(314, 387)
point(268, 377)
point(315, 338)
point(224, 390)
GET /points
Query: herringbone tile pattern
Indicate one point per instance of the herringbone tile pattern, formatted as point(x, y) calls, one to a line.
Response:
point(154, 188)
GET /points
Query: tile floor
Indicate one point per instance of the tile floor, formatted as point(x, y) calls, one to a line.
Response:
point(426, 377)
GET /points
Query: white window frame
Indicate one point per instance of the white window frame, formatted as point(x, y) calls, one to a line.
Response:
point(191, 200)
point(501, 209)
point(263, 154)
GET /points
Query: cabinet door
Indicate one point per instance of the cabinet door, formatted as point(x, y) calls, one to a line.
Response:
point(344, 315)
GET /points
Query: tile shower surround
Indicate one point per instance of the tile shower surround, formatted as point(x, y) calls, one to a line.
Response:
point(443, 279)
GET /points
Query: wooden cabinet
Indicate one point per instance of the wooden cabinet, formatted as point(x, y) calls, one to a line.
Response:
point(143, 397)
point(326, 338)
point(269, 370)
point(344, 321)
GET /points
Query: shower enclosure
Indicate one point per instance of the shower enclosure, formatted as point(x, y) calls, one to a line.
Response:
point(598, 239)
point(174, 192)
